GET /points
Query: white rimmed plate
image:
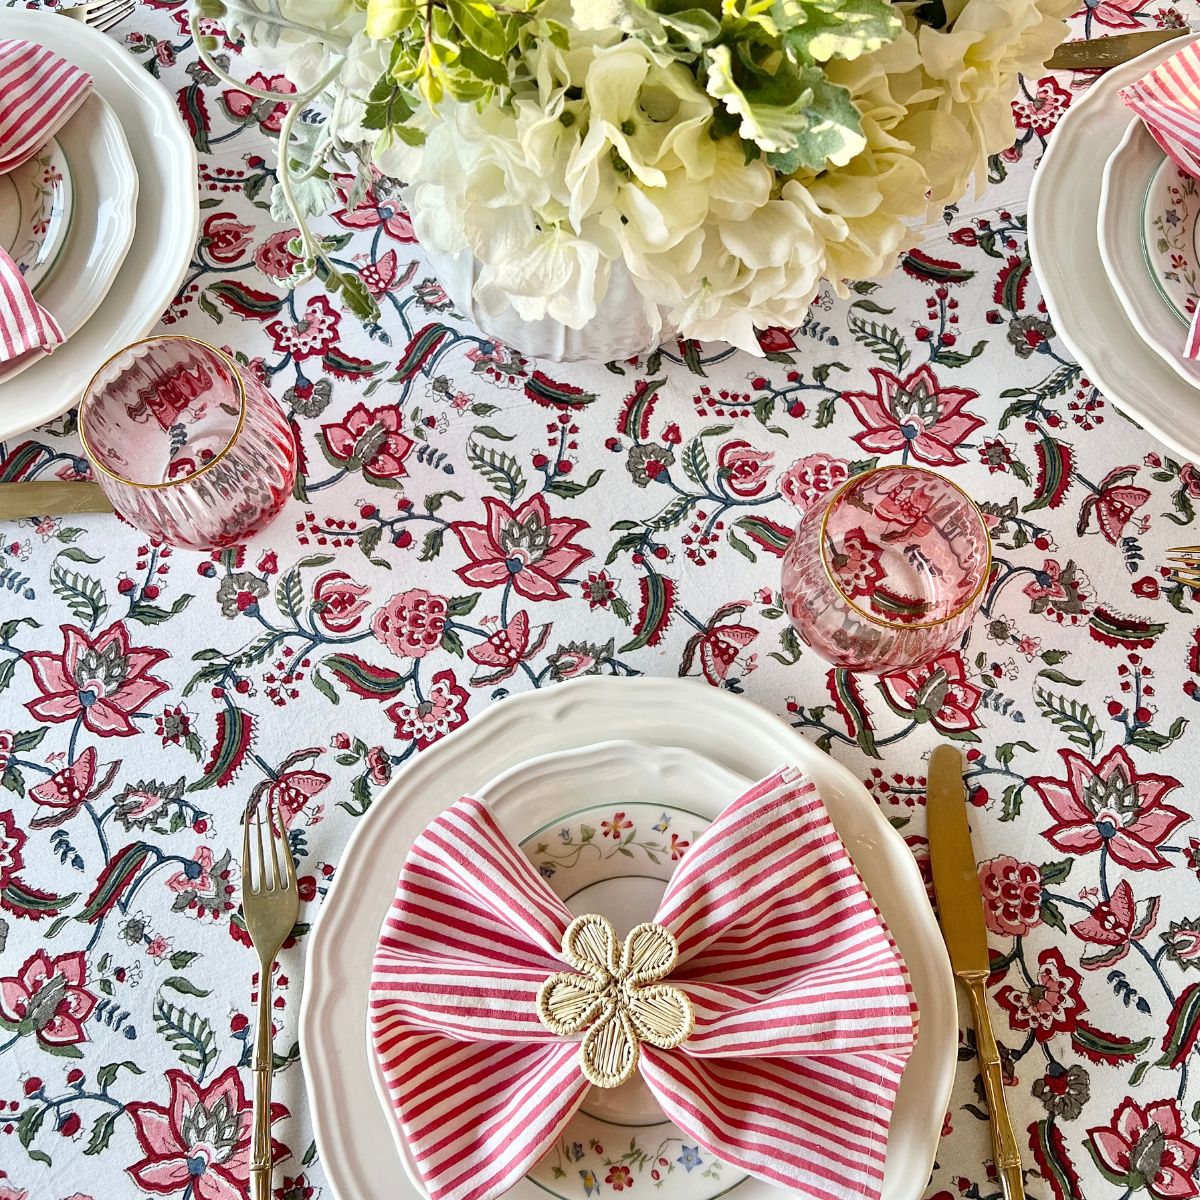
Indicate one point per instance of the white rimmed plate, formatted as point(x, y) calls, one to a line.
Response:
point(35, 212)
point(1120, 230)
point(102, 224)
point(353, 1132)
point(166, 222)
point(1085, 309)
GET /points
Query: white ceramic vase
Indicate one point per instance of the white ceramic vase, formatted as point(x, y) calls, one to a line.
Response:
point(619, 329)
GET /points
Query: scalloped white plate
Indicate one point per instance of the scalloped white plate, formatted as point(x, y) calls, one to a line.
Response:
point(353, 1132)
point(1088, 315)
point(167, 217)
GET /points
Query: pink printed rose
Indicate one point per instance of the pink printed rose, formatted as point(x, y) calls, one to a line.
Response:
point(412, 623)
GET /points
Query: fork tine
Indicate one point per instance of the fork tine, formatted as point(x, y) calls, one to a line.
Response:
point(286, 848)
point(247, 877)
point(264, 884)
point(104, 24)
point(273, 837)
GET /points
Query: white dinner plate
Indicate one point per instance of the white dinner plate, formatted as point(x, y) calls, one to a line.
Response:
point(1120, 229)
point(166, 222)
point(1084, 307)
point(354, 1133)
point(35, 212)
point(102, 225)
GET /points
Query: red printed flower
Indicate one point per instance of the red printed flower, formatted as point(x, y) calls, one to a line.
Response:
point(274, 259)
point(811, 477)
point(1113, 505)
point(293, 790)
point(46, 997)
point(1042, 112)
point(744, 469)
point(1113, 924)
point(103, 680)
point(338, 602)
point(379, 764)
point(1012, 895)
point(1145, 1147)
point(1052, 1003)
point(916, 414)
point(412, 623)
point(937, 692)
point(382, 275)
point(241, 106)
point(200, 1140)
point(1109, 804)
point(312, 335)
point(1118, 14)
point(1061, 592)
point(373, 212)
point(1189, 476)
point(856, 562)
point(619, 1178)
point(369, 440)
point(719, 648)
point(907, 506)
point(506, 649)
point(12, 839)
point(526, 547)
point(678, 847)
point(68, 789)
point(443, 709)
point(225, 237)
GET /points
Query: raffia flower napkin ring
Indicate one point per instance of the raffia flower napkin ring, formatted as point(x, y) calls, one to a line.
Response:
point(615, 995)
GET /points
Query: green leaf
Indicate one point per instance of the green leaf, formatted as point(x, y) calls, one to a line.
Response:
point(480, 25)
point(568, 489)
point(832, 29)
point(180, 984)
point(182, 958)
point(1073, 717)
point(107, 1075)
point(189, 1034)
point(102, 1131)
point(1052, 915)
point(1056, 872)
point(462, 606)
point(795, 116)
point(499, 468)
point(84, 595)
point(364, 678)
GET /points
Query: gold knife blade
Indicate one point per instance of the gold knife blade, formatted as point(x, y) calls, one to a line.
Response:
point(50, 497)
point(955, 875)
point(960, 913)
point(1099, 54)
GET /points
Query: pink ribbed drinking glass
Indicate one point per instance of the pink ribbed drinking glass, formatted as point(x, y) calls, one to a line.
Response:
point(187, 445)
point(887, 571)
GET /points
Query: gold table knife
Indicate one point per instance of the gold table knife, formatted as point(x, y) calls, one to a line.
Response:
point(1098, 54)
point(50, 497)
point(960, 909)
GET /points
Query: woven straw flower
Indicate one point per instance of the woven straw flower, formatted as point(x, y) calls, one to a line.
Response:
point(611, 998)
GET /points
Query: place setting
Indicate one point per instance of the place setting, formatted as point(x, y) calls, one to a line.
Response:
point(577, 619)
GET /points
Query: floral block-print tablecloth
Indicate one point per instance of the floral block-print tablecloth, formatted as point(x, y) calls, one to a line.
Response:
point(471, 524)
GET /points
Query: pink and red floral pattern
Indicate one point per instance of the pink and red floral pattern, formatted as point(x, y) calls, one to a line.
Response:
point(467, 523)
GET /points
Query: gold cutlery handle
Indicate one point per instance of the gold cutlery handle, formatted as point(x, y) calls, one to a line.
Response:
point(1006, 1153)
point(262, 1067)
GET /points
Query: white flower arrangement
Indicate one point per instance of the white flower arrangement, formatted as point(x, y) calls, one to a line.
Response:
point(729, 154)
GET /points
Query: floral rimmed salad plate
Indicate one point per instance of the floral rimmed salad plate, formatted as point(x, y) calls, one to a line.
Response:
point(36, 201)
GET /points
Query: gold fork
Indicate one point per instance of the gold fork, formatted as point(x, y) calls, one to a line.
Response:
point(270, 906)
point(100, 14)
point(1186, 568)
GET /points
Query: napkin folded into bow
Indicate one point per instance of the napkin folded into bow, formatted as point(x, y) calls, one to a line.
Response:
point(766, 1005)
point(39, 92)
point(1168, 101)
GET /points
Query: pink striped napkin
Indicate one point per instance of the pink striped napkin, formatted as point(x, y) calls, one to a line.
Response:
point(39, 93)
point(1168, 101)
point(804, 1017)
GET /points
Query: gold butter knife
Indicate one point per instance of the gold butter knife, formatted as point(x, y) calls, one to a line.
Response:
point(1098, 54)
point(960, 909)
point(50, 497)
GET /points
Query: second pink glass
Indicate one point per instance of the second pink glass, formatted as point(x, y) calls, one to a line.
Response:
point(887, 571)
point(187, 446)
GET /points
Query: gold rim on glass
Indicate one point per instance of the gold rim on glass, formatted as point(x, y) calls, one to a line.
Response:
point(212, 462)
point(857, 481)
